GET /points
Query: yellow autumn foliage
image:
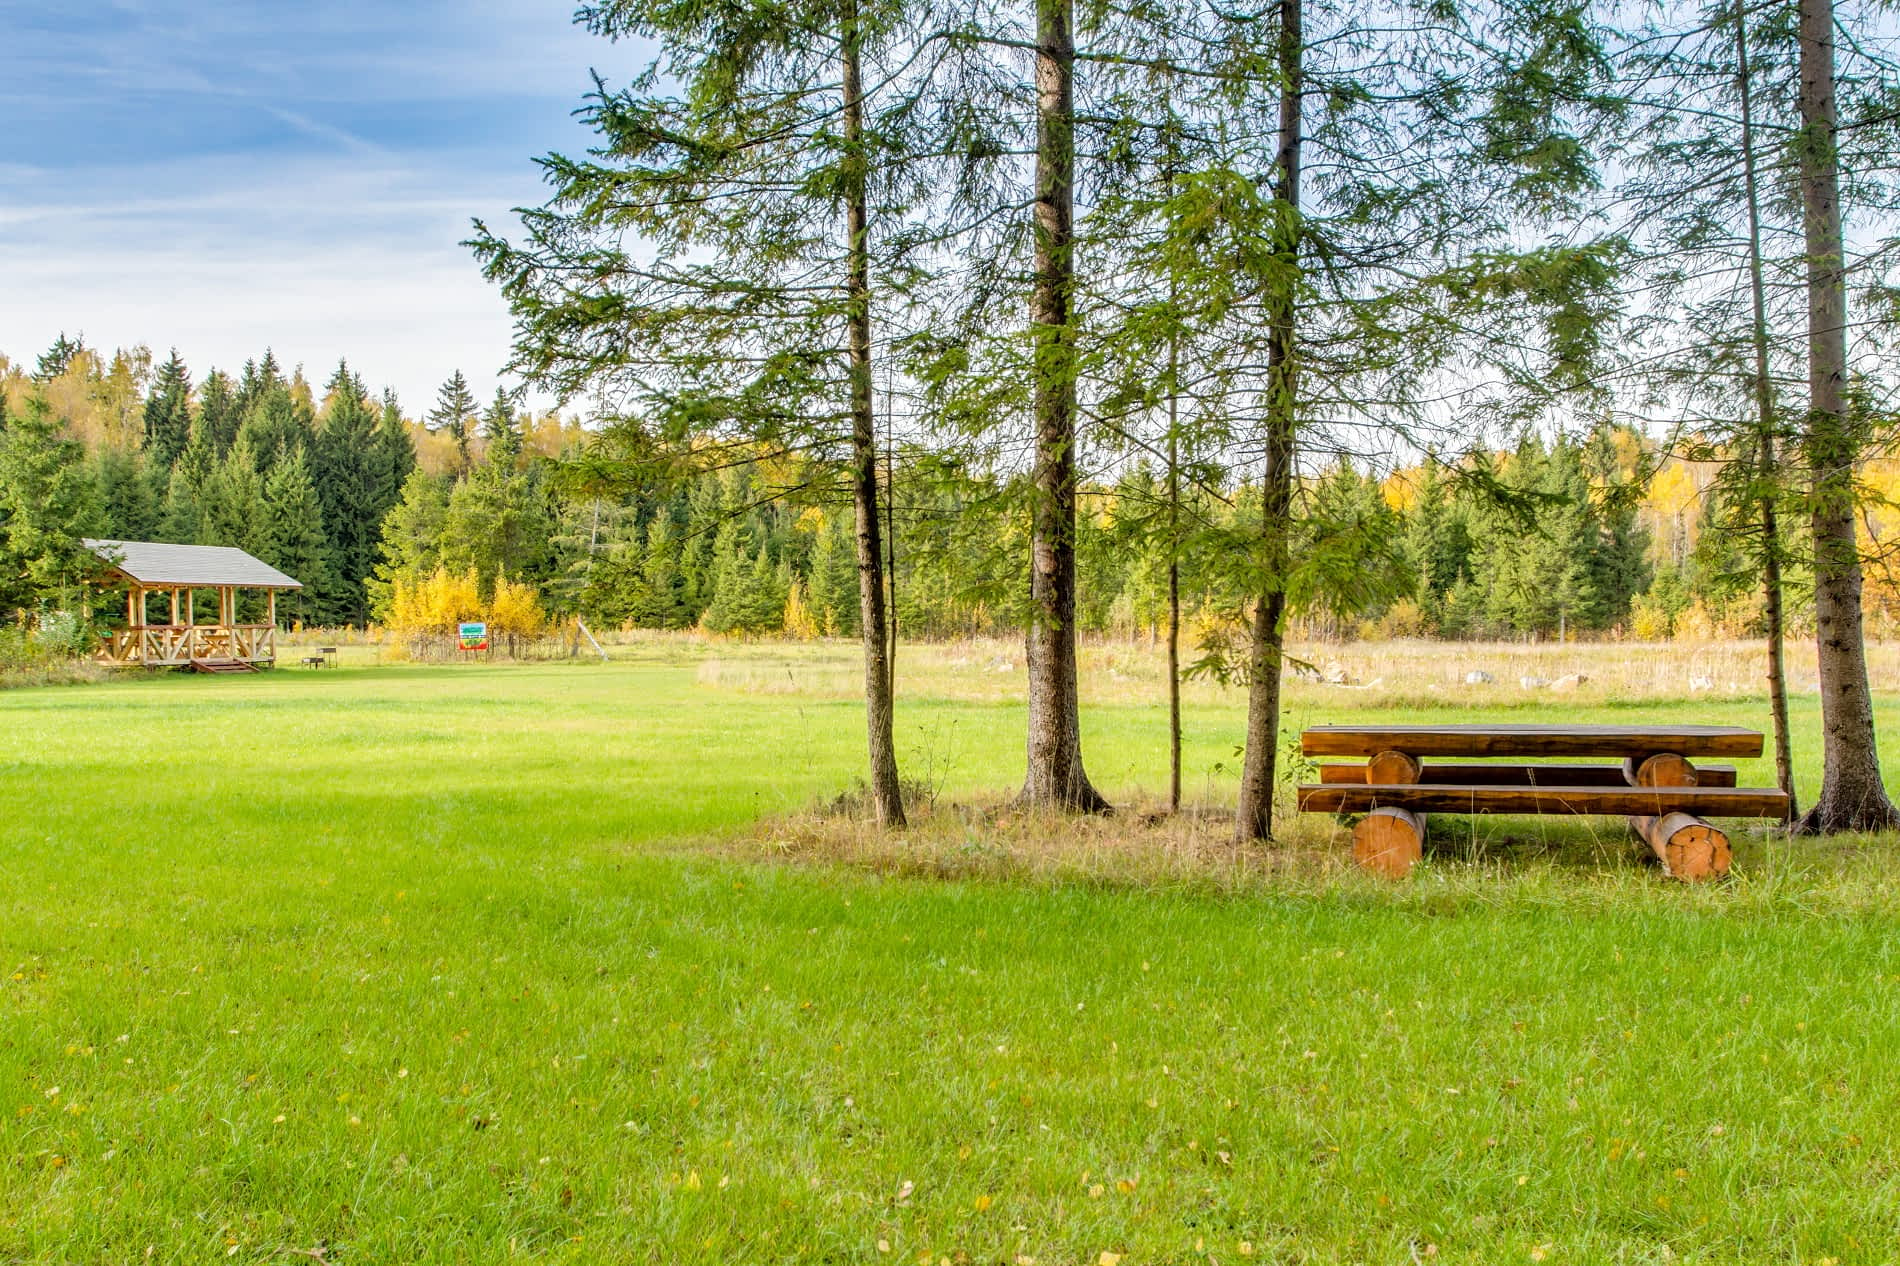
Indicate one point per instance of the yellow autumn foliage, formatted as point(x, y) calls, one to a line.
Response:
point(434, 604)
point(801, 622)
point(515, 608)
point(437, 603)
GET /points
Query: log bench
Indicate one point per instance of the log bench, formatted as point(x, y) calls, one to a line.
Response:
point(1409, 771)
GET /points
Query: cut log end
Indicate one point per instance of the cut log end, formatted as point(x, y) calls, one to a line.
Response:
point(1389, 842)
point(1394, 769)
point(1689, 848)
point(1665, 769)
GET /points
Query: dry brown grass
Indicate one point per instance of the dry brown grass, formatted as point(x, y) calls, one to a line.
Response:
point(1470, 863)
point(1135, 847)
point(1373, 674)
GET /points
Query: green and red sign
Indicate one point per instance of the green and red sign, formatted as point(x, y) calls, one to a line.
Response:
point(471, 637)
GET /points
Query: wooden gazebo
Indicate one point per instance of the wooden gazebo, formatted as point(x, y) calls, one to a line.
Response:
point(151, 567)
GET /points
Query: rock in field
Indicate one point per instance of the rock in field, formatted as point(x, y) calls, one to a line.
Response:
point(1568, 682)
point(1532, 683)
point(1478, 677)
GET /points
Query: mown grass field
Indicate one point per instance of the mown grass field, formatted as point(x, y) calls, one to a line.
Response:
point(398, 964)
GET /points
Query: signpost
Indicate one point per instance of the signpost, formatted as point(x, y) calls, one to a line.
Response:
point(472, 637)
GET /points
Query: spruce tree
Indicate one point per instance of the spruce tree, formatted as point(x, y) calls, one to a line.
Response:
point(48, 503)
point(662, 605)
point(292, 538)
point(168, 412)
point(396, 452)
point(766, 199)
point(410, 546)
point(344, 468)
point(274, 425)
point(496, 522)
point(183, 520)
point(454, 412)
point(258, 379)
point(219, 414)
point(501, 431)
point(58, 358)
point(233, 501)
point(129, 496)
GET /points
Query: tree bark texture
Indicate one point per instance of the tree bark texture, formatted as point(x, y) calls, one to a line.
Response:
point(886, 792)
point(1767, 473)
point(1852, 796)
point(1254, 820)
point(1055, 775)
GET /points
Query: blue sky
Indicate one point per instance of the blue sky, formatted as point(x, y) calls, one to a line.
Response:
point(223, 176)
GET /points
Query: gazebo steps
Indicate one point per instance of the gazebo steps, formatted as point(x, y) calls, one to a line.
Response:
point(222, 666)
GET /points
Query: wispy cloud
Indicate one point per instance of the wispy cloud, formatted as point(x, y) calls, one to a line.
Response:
point(224, 177)
point(326, 132)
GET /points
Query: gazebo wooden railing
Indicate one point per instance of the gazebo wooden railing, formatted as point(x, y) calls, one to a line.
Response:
point(175, 645)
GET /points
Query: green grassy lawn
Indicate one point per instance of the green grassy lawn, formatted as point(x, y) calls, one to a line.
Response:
point(424, 964)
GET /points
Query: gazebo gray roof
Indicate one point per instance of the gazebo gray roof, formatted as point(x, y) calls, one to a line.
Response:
point(157, 565)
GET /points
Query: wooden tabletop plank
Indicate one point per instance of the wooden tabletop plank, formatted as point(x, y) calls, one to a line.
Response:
point(1531, 740)
point(1716, 802)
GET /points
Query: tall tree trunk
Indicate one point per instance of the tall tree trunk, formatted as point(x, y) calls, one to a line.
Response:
point(1055, 776)
point(1174, 586)
point(1174, 500)
point(1852, 797)
point(1254, 820)
point(886, 794)
point(1767, 472)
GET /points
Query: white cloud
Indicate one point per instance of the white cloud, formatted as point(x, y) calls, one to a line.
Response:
point(319, 258)
point(226, 177)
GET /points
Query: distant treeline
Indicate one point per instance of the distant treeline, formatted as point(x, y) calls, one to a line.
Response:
point(343, 491)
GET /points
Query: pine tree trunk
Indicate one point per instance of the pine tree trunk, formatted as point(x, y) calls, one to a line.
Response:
point(1767, 473)
point(1174, 500)
point(1174, 595)
point(1852, 797)
point(1254, 820)
point(1055, 776)
point(886, 794)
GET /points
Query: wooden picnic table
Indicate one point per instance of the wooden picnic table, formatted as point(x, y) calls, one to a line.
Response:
point(1657, 783)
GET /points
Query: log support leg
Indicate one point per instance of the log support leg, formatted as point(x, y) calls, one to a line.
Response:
point(1389, 842)
point(1689, 848)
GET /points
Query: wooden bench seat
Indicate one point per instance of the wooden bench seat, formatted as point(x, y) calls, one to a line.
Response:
point(1553, 775)
point(1719, 802)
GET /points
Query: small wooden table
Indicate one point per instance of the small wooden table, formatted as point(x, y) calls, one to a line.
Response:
point(1656, 783)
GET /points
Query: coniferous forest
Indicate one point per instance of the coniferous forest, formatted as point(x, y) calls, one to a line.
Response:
point(338, 486)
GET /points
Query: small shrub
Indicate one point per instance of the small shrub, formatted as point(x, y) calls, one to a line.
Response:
point(64, 634)
point(1651, 621)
